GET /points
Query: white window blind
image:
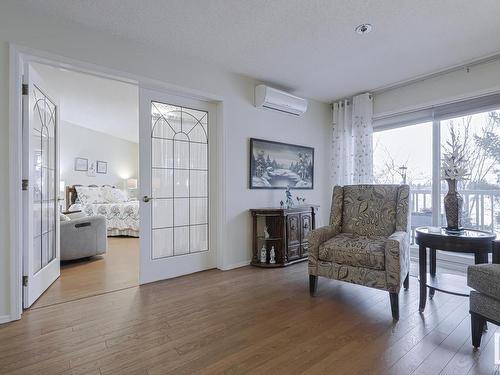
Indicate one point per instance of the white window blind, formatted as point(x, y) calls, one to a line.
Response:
point(438, 112)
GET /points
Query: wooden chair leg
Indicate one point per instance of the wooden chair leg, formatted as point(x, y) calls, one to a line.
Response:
point(477, 326)
point(394, 305)
point(406, 283)
point(313, 284)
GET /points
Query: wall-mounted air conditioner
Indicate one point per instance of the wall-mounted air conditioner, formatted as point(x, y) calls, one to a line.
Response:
point(278, 100)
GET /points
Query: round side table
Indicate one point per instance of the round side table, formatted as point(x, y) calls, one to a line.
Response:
point(471, 241)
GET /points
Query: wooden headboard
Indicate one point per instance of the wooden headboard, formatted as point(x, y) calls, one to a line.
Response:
point(72, 195)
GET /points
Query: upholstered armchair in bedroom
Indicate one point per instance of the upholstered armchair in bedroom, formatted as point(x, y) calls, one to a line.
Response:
point(367, 241)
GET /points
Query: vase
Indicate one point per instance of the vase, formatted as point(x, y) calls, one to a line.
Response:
point(453, 203)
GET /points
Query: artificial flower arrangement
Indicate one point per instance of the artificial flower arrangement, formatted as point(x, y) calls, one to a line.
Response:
point(453, 166)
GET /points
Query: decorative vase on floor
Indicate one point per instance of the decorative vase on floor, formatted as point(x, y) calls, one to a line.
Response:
point(453, 203)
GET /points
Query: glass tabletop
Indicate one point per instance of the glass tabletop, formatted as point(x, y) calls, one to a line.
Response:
point(469, 233)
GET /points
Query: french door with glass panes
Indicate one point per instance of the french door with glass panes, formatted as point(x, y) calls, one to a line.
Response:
point(175, 167)
point(41, 266)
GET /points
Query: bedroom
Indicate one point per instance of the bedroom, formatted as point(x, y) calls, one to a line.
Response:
point(98, 168)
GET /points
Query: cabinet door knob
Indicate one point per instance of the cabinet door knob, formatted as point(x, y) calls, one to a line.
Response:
point(146, 198)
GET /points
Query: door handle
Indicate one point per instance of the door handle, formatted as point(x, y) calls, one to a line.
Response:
point(146, 198)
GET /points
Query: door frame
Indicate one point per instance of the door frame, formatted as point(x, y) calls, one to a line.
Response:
point(18, 56)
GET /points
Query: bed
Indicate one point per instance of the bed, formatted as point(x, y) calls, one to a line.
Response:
point(122, 214)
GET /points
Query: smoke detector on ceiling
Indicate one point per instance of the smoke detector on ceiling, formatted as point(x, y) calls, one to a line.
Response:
point(363, 29)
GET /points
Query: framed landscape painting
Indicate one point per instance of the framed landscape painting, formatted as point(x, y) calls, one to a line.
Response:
point(275, 165)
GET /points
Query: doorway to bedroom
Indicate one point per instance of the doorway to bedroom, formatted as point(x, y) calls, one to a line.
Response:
point(92, 218)
point(97, 195)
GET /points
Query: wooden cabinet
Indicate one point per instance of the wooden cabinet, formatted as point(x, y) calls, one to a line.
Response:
point(284, 230)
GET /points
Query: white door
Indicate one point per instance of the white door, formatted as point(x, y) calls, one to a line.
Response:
point(175, 170)
point(40, 189)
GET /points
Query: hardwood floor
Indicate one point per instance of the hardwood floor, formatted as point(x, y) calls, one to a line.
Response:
point(246, 321)
point(117, 269)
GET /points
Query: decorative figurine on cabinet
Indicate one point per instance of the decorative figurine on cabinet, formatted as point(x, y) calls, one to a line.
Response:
point(272, 256)
point(266, 233)
point(289, 200)
point(263, 254)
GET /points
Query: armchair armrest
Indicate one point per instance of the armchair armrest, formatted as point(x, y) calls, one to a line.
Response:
point(83, 237)
point(316, 238)
point(397, 259)
point(484, 278)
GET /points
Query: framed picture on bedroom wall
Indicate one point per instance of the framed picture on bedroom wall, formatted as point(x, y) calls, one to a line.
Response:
point(276, 165)
point(102, 167)
point(81, 164)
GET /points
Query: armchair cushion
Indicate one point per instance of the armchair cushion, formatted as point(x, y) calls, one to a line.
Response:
point(485, 278)
point(369, 210)
point(354, 250)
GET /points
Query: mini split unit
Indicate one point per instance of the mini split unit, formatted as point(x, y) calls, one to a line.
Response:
point(278, 100)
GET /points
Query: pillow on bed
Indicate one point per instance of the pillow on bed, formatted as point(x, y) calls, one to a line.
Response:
point(63, 217)
point(90, 195)
point(114, 195)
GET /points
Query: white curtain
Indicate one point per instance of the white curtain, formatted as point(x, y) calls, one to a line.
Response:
point(352, 146)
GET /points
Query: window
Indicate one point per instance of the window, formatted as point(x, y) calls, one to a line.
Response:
point(412, 154)
point(404, 155)
point(478, 138)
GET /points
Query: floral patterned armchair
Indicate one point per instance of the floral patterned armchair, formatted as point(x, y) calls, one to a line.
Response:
point(367, 241)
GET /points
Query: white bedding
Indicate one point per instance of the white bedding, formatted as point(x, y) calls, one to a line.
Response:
point(122, 218)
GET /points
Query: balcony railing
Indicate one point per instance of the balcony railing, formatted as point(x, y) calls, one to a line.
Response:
point(481, 209)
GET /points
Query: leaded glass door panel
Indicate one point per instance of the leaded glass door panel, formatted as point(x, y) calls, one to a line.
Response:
point(175, 181)
point(41, 266)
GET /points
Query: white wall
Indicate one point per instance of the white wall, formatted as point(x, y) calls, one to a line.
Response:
point(461, 84)
point(77, 141)
point(241, 120)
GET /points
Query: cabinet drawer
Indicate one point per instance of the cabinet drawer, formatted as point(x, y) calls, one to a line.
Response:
point(293, 252)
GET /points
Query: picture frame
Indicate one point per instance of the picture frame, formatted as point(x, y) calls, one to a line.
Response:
point(81, 164)
point(102, 167)
point(277, 165)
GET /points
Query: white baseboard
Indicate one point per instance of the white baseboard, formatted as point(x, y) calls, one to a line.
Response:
point(456, 262)
point(5, 319)
point(235, 265)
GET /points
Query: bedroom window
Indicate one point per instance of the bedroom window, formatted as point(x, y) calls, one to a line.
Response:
point(179, 176)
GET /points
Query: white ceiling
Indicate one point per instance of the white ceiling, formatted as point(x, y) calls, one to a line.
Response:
point(95, 103)
point(308, 46)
